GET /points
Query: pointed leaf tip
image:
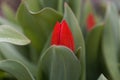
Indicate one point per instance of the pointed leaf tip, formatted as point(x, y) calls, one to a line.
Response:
point(11, 35)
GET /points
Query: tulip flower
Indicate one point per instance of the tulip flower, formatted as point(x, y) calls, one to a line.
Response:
point(62, 35)
point(90, 21)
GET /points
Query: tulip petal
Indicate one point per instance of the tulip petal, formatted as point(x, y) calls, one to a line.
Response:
point(90, 21)
point(66, 36)
point(55, 35)
point(62, 35)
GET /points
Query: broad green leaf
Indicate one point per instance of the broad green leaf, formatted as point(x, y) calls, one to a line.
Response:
point(55, 4)
point(78, 37)
point(10, 35)
point(58, 63)
point(33, 5)
point(58, 5)
point(119, 43)
point(4, 21)
point(92, 52)
point(76, 7)
point(38, 25)
point(8, 12)
point(111, 42)
point(50, 3)
point(8, 51)
point(102, 77)
point(119, 20)
point(17, 69)
point(74, 26)
point(1, 56)
point(2, 75)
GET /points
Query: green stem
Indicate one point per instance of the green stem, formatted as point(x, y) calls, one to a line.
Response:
point(60, 6)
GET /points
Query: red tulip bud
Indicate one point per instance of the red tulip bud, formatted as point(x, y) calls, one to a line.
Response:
point(90, 21)
point(62, 35)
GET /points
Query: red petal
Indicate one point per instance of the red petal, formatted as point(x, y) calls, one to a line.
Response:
point(62, 35)
point(90, 21)
point(56, 34)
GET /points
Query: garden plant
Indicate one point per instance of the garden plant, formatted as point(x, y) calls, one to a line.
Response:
point(60, 40)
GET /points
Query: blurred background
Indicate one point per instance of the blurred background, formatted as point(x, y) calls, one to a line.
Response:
point(97, 4)
point(12, 3)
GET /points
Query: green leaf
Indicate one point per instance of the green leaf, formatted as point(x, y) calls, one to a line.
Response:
point(55, 4)
point(38, 25)
point(17, 69)
point(8, 51)
point(10, 35)
point(58, 5)
point(102, 77)
point(111, 42)
point(4, 21)
point(92, 52)
point(58, 63)
point(2, 75)
point(1, 56)
point(78, 52)
point(33, 5)
point(76, 7)
point(78, 37)
point(50, 3)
